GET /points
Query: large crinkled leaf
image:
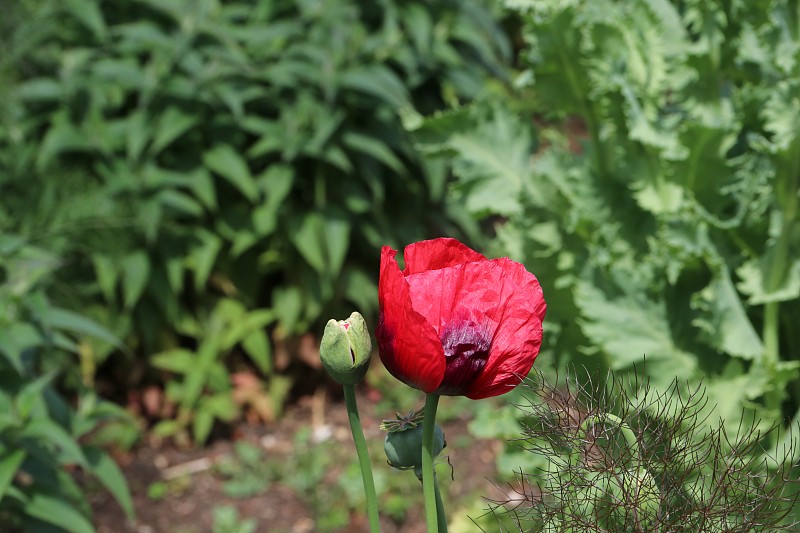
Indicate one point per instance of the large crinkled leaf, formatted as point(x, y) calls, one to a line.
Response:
point(753, 283)
point(723, 320)
point(782, 114)
point(494, 161)
point(629, 328)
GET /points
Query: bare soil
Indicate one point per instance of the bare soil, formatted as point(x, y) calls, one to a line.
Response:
point(196, 485)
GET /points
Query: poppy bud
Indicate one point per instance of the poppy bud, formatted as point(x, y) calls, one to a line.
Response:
point(403, 443)
point(345, 349)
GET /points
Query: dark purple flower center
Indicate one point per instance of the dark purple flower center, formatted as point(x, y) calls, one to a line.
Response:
point(466, 350)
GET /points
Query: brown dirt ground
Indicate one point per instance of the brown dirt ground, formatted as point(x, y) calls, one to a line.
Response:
point(278, 508)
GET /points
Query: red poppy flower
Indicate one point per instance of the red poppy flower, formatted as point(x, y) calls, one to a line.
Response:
point(456, 323)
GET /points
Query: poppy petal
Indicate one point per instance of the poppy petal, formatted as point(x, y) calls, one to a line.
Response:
point(518, 337)
point(437, 253)
point(409, 346)
point(471, 292)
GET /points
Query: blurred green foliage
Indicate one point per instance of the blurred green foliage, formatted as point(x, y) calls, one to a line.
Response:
point(198, 163)
point(190, 183)
point(649, 174)
point(45, 436)
point(185, 184)
point(660, 208)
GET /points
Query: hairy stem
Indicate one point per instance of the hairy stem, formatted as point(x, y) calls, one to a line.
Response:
point(428, 480)
point(363, 458)
point(442, 518)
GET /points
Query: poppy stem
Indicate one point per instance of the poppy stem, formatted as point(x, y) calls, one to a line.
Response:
point(363, 458)
point(442, 518)
point(428, 479)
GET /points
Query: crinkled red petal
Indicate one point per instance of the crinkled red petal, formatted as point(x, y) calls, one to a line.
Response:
point(409, 347)
point(518, 337)
point(437, 253)
point(501, 296)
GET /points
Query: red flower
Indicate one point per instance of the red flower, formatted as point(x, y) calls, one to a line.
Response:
point(456, 323)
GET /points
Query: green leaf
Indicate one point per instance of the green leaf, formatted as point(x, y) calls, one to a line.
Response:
point(225, 161)
point(135, 273)
point(16, 339)
point(106, 470)
point(181, 203)
point(377, 81)
point(198, 375)
point(202, 185)
point(9, 465)
point(167, 428)
point(493, 163)
point(288, 305)
point(258, 347)
point(32, 394)
point(172, 124)
point(45, 89)
point(137, 129)
point(107, 275)
point(177, 360)
point(51, 433)
point(374, 148)
point(203, 257)
point(753, 284)
point(62, 137)
point(628, 328)
point(202, 423)
point(89, 14)
point(75, 323)
point(661, 198)
point(724, 321)
point(322, 240)
point(57, 511)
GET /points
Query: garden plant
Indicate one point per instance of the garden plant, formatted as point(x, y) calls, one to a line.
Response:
point(190, 188)
point(618, 458)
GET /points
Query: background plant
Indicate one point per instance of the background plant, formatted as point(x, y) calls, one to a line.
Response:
point(211, 179)
point(175, 156)
point(647, 172)
point(660, 208)
point(180, 168)
point(46, 443)
point(623, 456)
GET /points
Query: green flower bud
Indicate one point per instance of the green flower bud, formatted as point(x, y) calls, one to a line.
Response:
point(345, 349)
point(647, 494)
point(403, 443)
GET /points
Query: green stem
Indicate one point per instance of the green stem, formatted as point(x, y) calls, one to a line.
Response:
point(428, 484)
point(625, 429)
point(363, 458)
point(442, 518)
point(786, 191)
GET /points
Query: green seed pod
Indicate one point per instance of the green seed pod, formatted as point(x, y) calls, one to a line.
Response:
point(345, 349)
point(404, 447)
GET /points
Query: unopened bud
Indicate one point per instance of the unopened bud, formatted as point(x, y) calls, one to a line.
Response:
point(345, 349)
point(403, 444)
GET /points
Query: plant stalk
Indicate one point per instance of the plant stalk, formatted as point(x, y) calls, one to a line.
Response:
point(363, 458)
point(442, 518)
point(428, 480)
